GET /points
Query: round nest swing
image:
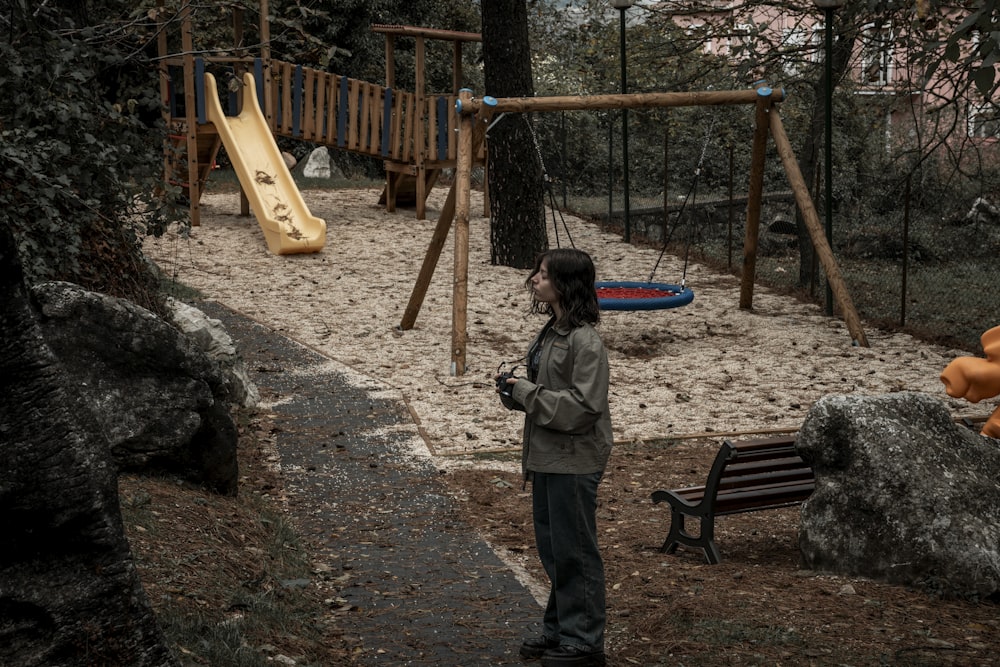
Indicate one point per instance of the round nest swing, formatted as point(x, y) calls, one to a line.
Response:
point(631, 295)
point(628, 295)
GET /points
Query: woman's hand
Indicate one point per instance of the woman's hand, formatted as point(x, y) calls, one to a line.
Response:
point(511, 381)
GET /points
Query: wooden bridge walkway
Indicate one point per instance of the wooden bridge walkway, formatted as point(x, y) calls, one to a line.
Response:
point(416, 139)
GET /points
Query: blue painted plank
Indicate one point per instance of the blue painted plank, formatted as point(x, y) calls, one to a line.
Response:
point(297, 94)
point(386, 122)
point(442, 128)
point(342, 113)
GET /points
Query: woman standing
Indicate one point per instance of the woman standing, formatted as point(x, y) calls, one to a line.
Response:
point(566, 444)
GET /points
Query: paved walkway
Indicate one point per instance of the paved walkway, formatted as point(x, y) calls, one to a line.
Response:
point(426, 588)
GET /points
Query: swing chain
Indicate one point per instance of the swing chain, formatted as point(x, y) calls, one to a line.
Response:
point(548, 191)
point(704, 148)
point(538, 148)
point(680, 213)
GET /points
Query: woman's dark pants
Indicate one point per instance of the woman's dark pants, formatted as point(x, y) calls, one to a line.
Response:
point(565, 516)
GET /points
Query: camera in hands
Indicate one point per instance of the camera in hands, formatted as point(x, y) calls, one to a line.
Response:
point(502, 386)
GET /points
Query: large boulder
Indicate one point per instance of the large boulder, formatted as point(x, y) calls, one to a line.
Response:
point(211, 336)
point(69, 591)
point(161, 401)
point(903, 494)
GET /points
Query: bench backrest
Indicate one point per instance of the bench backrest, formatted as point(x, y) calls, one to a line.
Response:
point(755, 474)
point(763, 473)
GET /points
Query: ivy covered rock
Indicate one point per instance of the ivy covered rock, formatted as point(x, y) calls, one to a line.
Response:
point(162, 402)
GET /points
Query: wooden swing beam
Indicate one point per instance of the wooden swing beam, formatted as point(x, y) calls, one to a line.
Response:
point(474, 116)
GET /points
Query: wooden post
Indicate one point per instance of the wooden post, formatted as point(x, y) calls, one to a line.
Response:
point(456, 67)
point(239, 47)
point(238, 39)
point(460, 287)
point(266, 104)
point(390, 60)
point(755, 196)
point(811, 218)
point(391, 177)
point(445, 219)
point(420, 135)
point(430, 261)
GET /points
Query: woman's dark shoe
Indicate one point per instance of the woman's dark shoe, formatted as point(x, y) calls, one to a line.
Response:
point(535, 647)
point(568, 656)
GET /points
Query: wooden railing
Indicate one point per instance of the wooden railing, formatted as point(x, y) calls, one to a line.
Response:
point(347, 114)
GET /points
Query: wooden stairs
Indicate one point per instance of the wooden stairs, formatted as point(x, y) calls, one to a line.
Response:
point(176, 165)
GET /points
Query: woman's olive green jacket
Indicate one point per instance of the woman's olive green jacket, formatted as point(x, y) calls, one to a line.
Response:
point(567, 425)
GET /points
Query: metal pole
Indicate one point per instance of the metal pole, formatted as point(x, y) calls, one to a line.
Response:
point(829, 144)
point(565, 159)
point(611, 161)
point(628, 224)
point(906, 254)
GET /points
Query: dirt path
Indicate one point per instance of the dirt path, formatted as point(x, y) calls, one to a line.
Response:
point(423, 586)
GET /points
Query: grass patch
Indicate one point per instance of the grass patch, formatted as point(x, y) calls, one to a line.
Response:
point(178, 290)
point(229, 579)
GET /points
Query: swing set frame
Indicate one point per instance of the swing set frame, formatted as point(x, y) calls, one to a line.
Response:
point(474, 117)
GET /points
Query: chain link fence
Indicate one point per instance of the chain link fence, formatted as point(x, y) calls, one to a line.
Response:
point(915, 258)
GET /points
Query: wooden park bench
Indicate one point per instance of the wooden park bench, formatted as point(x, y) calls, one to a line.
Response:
point(746, 476)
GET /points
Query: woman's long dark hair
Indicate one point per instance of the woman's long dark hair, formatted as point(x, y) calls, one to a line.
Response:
point(572, 275)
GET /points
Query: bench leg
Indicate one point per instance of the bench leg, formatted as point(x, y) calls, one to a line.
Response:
point(705, 541)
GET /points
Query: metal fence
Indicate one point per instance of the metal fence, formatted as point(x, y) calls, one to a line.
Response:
point(929, 269)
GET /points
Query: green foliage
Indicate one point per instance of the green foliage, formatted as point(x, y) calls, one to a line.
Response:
point(336, 35)
point(973, 44)
point(80, 126)
point(871, 160)
point(79, 157)
point(585, 147)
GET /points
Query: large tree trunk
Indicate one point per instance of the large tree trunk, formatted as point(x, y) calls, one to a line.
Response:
point(517, 228)
point(69, 592)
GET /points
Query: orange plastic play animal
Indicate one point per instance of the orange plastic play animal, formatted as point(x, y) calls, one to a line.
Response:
point(974, 379)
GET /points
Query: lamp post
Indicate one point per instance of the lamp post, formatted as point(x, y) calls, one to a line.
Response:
point(621, 6)
point(828, 7)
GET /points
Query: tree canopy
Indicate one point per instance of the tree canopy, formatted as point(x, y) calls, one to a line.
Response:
point(80, 156)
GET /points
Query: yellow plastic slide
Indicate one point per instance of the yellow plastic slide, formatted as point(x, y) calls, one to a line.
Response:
point(288, 225)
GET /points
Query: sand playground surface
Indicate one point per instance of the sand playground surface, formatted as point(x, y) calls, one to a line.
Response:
point(704, 369)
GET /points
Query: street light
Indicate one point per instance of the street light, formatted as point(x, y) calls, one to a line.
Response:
point(621, 6)
point(829, 7)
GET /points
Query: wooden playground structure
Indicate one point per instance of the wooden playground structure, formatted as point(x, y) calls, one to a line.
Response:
point(417, 134)
point(412, 132)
